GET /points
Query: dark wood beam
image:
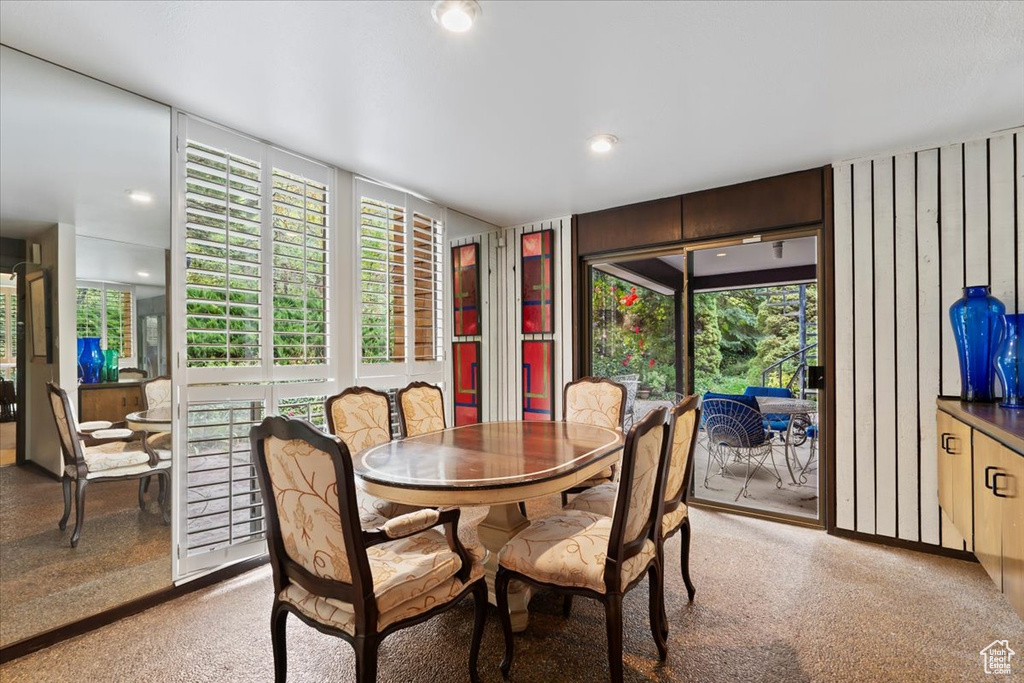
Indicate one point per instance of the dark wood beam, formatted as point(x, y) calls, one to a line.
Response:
point(655, 270)
point(755, 278)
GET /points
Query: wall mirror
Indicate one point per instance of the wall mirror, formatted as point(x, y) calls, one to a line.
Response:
point(85, 200)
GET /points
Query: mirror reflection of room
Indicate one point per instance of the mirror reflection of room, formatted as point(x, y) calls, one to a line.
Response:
point(85, 223)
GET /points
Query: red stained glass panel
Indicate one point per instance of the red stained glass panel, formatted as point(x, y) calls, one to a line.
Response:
point(538, 380)
point(465, 289)
point(537, 277)
point(467, 382)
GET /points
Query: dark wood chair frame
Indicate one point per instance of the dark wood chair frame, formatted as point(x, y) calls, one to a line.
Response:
point(330, 401)
point(684, 406)
point(417, 385)
point(134, 371)
point(360, 592)
point(144, 483)
point(619, 550)
point(76, 458)
point(622, 416)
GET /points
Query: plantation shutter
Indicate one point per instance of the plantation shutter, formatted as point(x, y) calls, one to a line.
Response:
point(301, 266)
point(89, 306)
point(223, 254)
point(383, 268)
point(427, 287)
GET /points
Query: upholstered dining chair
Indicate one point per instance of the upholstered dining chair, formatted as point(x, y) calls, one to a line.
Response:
point(361, 417)
point(575, 552)
point(132, 374)
point(102, 455)
point(420, 409)
point(156, 393)
point(359, 585)
point(599, 402)
point(685, 421)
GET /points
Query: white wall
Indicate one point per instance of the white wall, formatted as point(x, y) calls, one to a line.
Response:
point(911, 230)
point(500, 301)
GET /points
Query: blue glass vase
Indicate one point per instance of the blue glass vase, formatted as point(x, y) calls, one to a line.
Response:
point(1010, 360)
point(78, 356)
point(975, 319)
point(91, 360)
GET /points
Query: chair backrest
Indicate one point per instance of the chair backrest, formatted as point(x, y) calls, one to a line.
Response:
point(131, 373)
point(596, 401)
point(156, 393)
point(734, 423)
point(309, 501)
point(67, 427)
point(685, 419)
point(359, 416)
point(420, 409)
point(641, 492)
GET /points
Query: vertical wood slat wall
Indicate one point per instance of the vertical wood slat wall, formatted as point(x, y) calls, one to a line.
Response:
point(500, 327)
point(911, 231)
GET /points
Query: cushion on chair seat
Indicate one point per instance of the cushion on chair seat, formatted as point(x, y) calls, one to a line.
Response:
point(115, 454)
point(160, 442)
point(600, 499)
point(340, 615)
point(119, 471)
point(569, 549)
point(410, 566)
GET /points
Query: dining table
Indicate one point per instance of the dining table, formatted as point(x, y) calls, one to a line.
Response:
point(494, 464)
point(782, 405)
point(152, 420)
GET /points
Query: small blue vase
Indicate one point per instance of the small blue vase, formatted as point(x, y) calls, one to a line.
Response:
point(91, 360)
point(1010, 360)
point(975, 319)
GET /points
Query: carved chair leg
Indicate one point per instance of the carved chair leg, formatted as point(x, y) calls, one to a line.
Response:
point(656, 612)
point(501, 596)
point(366, 659)
point(278, 628)
point(165, 508)
point(80, 486)
point(684, 558)
point(142, 492)
point(479, 620)
point(566, 606)
point(65, 483)
point(613, 623)
point(661, 588)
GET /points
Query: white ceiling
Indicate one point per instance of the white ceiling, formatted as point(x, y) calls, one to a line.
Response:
point(71, 147)
point(101, 260)
point(744, 258)
point(493, 122)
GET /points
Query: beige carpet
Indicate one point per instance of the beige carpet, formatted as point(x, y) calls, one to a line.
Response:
point(774, 603)
point(124, 553)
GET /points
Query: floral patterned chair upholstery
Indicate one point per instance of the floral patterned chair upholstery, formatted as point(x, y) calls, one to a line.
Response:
point(156, 393)
point(594, 401)
point(420, 409)
point(102, 455)
point(575, 552)
point(359, 585)
point(361, 417)
point(684, 419)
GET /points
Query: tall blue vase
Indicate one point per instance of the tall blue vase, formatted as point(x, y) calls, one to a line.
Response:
point(91, 360)
point(78, 357)
point(1010, 360)
point(975, 319)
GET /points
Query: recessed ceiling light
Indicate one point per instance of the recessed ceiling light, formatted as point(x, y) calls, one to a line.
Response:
point(603, 143)
point(139, 196)
point(721, 253)
point(142, 273)
point(456, 15)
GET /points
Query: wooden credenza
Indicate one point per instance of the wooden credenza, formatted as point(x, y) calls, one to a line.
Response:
point(981, 487)
point(108, 401)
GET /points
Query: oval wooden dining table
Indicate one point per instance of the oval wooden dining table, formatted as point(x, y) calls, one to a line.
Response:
point(498, 464)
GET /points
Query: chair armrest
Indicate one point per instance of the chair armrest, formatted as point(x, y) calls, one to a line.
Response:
point(89, 439)
point(416, 522)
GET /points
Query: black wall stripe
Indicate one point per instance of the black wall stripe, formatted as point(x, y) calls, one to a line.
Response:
point(895, 357)
point(853, 333)
point(874, 354)
point(917, 337)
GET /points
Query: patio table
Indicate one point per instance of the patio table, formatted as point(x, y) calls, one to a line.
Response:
point(780, 405)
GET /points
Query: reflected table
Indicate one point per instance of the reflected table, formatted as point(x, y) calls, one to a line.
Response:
point(781, 405)
point(499, 464)
point(155, 420)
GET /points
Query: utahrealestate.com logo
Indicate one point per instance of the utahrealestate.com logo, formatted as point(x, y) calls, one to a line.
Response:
point(997, 657)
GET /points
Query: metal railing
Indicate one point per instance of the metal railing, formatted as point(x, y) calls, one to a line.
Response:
point(799, 374)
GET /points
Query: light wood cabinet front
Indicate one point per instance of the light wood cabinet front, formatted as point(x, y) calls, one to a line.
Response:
point(1009, 488)
point(988, 512)
point(956, 475)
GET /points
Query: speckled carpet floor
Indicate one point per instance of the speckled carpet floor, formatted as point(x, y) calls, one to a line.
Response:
point(774, 603)
point(124, 553)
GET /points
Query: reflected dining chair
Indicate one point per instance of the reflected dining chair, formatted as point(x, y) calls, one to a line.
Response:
point(685, 420)
point(359, 585)
point(420, 409)
point(361, 417)
point(102, 455)
point(596, 401)
point(575, 552)
point(156, 393)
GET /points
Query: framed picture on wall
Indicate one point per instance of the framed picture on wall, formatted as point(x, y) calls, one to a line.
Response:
point(39, 316)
